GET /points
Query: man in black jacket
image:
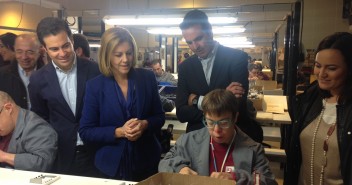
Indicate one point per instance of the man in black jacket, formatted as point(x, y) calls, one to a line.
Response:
point(14, 78)
point(212, 66)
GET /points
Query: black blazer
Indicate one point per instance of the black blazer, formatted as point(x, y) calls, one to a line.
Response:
point(12, 84)
point(49, 103)
point(230, 65)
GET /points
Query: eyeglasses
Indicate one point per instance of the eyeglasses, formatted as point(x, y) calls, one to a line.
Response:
point(225, 123)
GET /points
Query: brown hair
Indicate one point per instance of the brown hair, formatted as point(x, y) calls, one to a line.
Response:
point(220, 101)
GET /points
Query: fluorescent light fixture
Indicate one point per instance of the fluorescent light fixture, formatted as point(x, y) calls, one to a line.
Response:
point(94, 45)
point(230, 39)
point(235, 42)
point(228, 29)
point(165, 31)
point(240, 46)
point(156, 21)
point(177, 31)
point(222, 20)
point(143, 21)
point(73, 30)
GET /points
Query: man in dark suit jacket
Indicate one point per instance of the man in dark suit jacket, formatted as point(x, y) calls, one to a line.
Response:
point(211, 67)
point(14, 78)
point(56, 93)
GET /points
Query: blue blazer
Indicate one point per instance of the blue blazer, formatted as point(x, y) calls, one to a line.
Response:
point(49, 103)
point(101, 116)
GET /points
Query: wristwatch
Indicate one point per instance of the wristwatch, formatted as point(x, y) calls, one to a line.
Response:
point(195, 102)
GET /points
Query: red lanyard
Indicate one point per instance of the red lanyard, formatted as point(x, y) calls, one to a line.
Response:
point(225, 158)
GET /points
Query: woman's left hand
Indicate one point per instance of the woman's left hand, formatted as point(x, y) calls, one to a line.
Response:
point(135, 129)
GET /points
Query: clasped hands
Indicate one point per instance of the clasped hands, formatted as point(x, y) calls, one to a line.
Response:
point(219, 175)
point(132, 129)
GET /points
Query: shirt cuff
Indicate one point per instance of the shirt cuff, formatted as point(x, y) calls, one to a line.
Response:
point(199, 104)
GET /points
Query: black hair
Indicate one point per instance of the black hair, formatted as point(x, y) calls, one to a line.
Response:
point(196, 17)
point(8, 39)
point(52, 26)
point(155, 61)
point(80, 41)
point(341, 41)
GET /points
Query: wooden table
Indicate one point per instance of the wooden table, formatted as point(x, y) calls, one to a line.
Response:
point(19, 177)
point(262, 117)
point(270, 133)
point(268, 117)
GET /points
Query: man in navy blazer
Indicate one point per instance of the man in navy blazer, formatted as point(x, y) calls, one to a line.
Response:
point(56, 93)
point(212, 66)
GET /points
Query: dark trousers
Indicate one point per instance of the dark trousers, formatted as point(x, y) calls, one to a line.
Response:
point(83, 165)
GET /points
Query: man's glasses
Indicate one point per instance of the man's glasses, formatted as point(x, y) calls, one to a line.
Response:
point(225, 123)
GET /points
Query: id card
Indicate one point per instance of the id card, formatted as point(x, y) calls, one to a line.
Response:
point(230, 169)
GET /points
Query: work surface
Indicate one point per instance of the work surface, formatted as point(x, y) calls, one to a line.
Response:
point(19, 177)
point(270, 133)
point(262, 117)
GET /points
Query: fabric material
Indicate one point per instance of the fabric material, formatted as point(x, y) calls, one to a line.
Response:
point(12, 84)
point(167, 77)
point(49, 103)
point(102, 114)
point(168, 105)
point(332, 173)
point(192, 150)
point(230, 65)
point(220, 153)
point(307, 107)
point(208, 63)
point(5, 141)
point(68, 87)
point(68, 84)
point(34, 142)
point(25, 79)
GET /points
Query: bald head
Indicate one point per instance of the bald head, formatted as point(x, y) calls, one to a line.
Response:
point(5, 98)
point(27, 50)
point(9, 113)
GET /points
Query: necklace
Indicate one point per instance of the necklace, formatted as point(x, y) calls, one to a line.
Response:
point(325, 148)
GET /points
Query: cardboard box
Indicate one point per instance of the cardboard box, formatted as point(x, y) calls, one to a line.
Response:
point(179, 179)
point(258, 103)
point(267, 84)
point(274, 104)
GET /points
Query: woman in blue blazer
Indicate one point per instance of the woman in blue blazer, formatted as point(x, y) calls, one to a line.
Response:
point(122, 111)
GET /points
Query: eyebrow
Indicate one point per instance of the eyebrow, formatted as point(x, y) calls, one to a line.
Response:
point(64, 45)
point(334, 65)
point(196, 39)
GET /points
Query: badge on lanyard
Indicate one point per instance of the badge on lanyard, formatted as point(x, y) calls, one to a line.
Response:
point(230, 169)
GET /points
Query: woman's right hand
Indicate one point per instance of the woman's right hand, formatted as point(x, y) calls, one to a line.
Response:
point(120, 132)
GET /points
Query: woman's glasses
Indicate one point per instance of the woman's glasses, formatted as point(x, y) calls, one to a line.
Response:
point(225, 123)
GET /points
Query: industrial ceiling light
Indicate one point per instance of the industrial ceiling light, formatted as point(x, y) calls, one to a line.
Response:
point(239, 45)
point(159, 21)
point(177, 31)
point(235, 42)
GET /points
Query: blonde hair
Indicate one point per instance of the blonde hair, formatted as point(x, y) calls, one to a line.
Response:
point(109, 41)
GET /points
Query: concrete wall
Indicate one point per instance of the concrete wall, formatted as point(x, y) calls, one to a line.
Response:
point(321, 18)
